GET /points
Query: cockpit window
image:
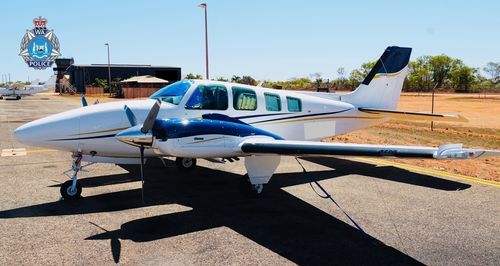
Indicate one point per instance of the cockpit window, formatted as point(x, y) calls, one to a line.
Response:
point(208, 97)
point(173, 93)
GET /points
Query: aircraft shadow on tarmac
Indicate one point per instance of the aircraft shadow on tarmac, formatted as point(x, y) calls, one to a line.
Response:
point(277, 220)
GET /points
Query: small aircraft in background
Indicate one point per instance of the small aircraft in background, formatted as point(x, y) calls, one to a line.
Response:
point(17, 92)
point(221, 121)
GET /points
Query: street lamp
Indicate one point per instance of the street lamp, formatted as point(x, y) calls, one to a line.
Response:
point(204, 6)
point(109, 71)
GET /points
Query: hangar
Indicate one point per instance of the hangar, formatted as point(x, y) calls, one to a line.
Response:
point(83, 75)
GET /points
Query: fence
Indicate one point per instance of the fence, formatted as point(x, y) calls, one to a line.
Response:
point(94, 91)
point(138, 92)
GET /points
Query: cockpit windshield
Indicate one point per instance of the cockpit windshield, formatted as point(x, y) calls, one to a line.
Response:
point(173, 93)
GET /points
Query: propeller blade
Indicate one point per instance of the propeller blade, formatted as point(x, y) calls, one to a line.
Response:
point(84, 101)
point(131, 117)
point(150, 120)
point(142, 173)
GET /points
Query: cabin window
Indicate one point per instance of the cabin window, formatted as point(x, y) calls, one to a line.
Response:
point(273, 102)
point(294, 104)
point(244, 99)
point(208, 97)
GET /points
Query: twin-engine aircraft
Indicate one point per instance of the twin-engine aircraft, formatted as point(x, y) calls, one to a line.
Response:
point(221, 121)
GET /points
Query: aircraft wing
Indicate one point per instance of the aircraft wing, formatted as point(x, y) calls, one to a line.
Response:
point(310, 148)
point(404, 115)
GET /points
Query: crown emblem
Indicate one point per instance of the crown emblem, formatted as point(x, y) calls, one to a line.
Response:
point(40, 22)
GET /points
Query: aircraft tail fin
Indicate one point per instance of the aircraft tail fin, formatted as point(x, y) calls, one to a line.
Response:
point(381, 88)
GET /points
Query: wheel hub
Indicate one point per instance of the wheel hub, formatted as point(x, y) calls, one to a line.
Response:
point(258, 188)
point(186, 162)
point(71, 191)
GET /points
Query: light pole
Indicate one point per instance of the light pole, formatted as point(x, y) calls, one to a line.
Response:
point(204, 6)
point(109, 71)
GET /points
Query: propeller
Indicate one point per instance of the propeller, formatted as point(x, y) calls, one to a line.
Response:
point(140, 135)
point(84, 101)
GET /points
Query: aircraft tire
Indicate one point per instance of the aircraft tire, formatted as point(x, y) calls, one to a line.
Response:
point(18, 97)
point(66, 192)
point(248, 189)
point(185, 164)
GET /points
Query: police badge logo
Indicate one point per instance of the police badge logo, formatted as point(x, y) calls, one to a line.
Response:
point(39, 46)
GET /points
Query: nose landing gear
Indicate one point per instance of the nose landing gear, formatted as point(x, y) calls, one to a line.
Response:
point(71, 189)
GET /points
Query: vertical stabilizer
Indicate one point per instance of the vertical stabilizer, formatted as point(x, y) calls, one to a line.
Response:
point(381, 88)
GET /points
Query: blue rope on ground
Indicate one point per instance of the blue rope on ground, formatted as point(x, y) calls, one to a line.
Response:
point(329, 196)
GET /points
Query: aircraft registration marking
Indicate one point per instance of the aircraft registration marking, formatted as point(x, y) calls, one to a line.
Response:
point(424, 170)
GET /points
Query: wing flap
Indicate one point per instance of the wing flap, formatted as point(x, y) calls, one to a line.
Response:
point(404, 115)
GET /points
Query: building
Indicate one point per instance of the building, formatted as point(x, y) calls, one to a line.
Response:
point(141, 86)
point(82, 76)
point(62, 65)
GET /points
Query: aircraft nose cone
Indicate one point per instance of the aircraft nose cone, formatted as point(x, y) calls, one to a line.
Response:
point(46, 132)
point(22, 133)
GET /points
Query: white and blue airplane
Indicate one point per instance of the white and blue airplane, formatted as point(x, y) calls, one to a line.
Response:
point(13, 93)
point(220, 121)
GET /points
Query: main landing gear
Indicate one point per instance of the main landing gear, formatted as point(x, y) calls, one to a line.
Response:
point(71, 189)
point(185, 164)
point(248, 189)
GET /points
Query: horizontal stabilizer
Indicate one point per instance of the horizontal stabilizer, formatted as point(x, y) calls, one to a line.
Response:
point(404, 115)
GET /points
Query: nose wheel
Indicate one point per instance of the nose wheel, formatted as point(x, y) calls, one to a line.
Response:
point(185, 164)
point(68, 192)
point(248, 189)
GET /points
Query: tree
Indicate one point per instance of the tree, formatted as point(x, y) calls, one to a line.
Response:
point(316, 76)
point(339, 83)
point(358, 75)
point(248, 81)
point(235, 79)
point(103, 83)
point(341, 73)
point(221, 79)
point(463, 77)
point(493, 69)
point(420, 76)
point(299, 83)
point(193, 76)
point(440, 67)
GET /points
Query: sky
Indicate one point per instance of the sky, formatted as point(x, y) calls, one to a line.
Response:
point(266, 39)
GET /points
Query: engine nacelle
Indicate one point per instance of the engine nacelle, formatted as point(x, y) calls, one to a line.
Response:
point(217, 136)
point(200, 146)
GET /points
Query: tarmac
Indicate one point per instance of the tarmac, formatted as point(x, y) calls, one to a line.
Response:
point(200, 218)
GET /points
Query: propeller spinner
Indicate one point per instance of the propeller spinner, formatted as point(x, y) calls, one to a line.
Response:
point(139, 135)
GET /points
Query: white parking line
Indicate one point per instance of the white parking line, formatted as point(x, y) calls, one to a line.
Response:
point(13, 152)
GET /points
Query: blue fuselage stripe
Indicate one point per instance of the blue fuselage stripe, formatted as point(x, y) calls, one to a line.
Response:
point(299, 116)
